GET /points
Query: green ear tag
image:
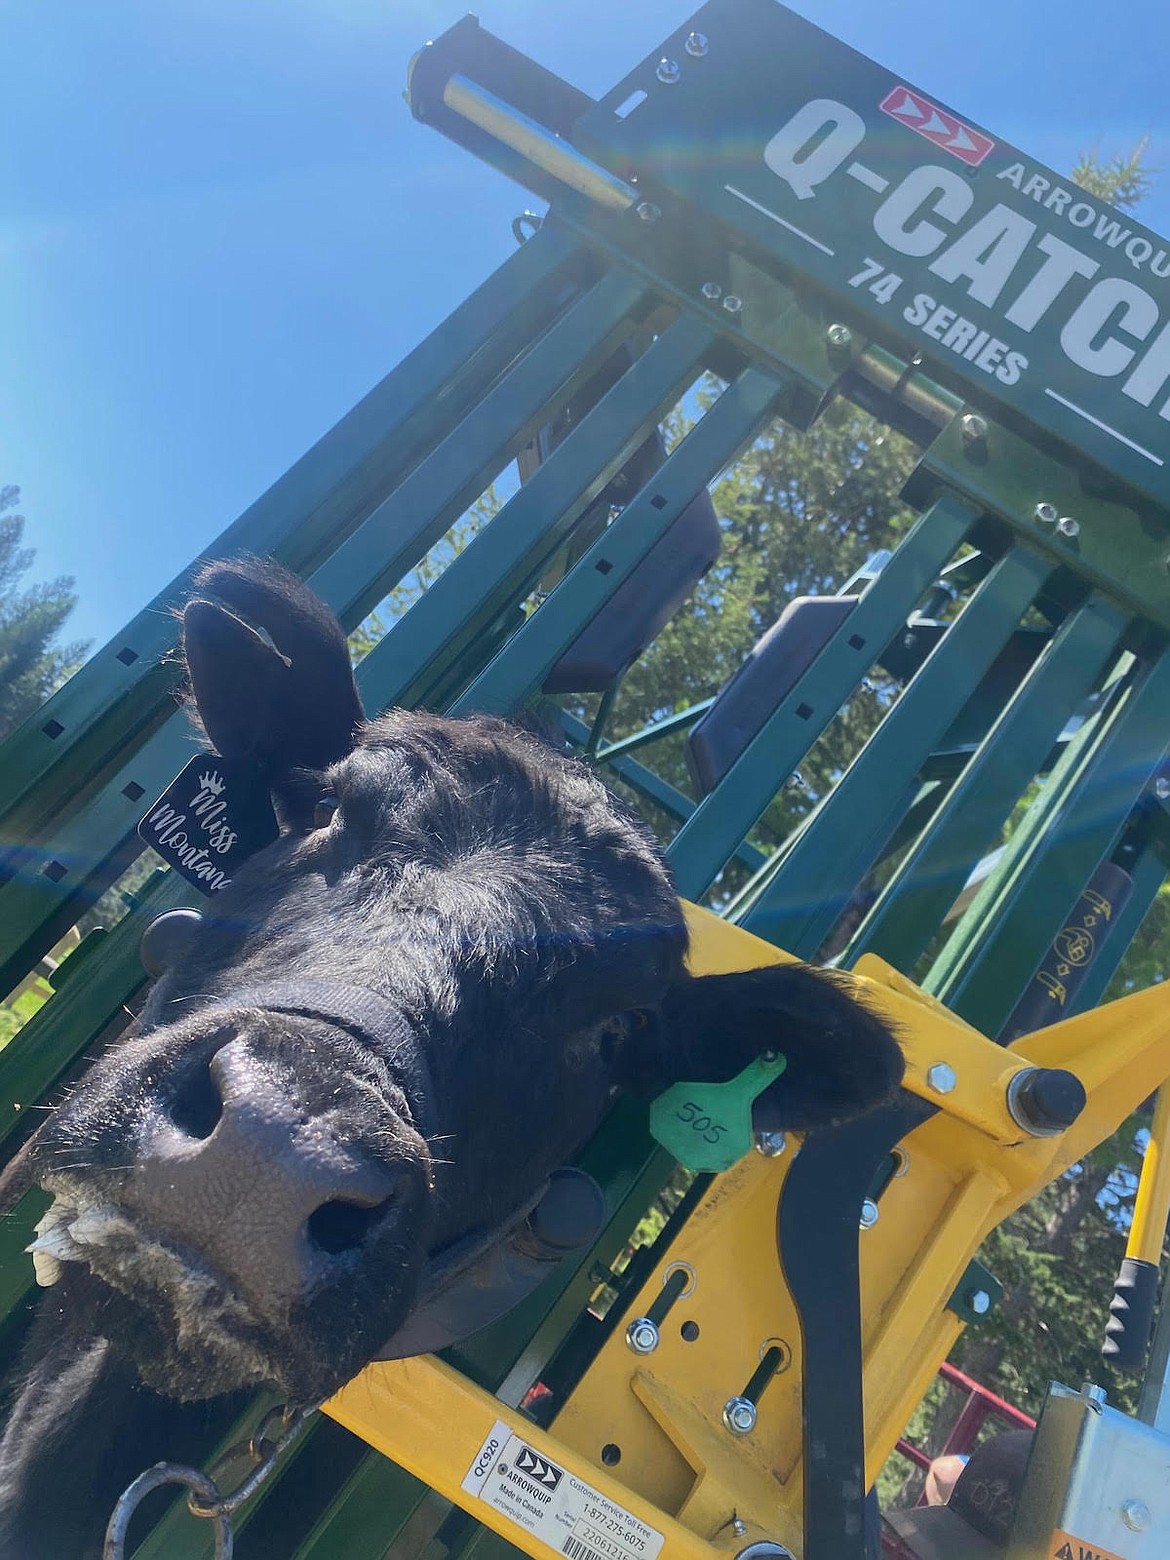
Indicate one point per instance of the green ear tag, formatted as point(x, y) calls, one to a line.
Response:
point(708, 1126)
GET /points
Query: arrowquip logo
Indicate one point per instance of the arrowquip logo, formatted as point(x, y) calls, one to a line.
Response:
point(911, 108)
point(543, 1473)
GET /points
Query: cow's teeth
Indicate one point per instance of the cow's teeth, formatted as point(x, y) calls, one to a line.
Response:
point(58, 1243)
point(46, 1268)
point(58, 1212)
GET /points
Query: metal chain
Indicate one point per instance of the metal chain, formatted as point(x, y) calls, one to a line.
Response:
point(260, 1453)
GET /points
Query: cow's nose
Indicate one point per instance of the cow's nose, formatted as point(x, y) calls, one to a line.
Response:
point(272, 1197)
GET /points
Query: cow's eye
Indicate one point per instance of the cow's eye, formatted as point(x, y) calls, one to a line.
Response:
point(324, 811)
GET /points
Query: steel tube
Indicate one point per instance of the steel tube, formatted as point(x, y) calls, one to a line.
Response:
point(537, 143)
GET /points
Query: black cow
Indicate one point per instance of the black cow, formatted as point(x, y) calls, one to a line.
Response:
point(385, 1033)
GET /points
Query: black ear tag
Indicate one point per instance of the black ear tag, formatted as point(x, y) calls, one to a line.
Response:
point(210, 819)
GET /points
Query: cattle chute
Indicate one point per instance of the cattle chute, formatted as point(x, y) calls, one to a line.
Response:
point(862, 240)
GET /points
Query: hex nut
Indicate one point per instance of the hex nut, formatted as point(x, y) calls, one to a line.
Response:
point(770, 1144)
point(732, 304)
point(839, 336)
point(981, 1302)
point(696, 45)
point(941, 1078)
point(739, 1415)
point(668, 71)
point(1067, 526)
point(642, 1336)
point(869, 1214)
point(1046, 514)
point(648, 211)
point(973, 426)
point(711, 290)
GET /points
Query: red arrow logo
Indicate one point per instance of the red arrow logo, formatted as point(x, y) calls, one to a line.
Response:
point(911, 108)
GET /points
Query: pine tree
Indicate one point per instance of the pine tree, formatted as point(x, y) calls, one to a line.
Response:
point(32, 665)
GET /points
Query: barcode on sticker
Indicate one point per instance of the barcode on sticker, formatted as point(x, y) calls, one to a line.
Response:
point(576, 1550)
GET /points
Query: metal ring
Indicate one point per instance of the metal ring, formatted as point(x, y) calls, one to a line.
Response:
point(785, 1353)
point(526, 226)
point(154, 1478)
point(680, 1267)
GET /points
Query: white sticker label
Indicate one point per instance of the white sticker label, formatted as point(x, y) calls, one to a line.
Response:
point(565, 1513)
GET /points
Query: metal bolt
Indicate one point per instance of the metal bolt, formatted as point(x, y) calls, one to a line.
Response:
point(981, 1302)
point(648, 211)
point(732, 304)
point(696, 45)
point(869, 1214)
point(839, 336)
point(711, 290)
point(1162, 788)
point(973, 427)
point(1067, 526)
point(739, 1415)
point(738, 1526)
point(668, 71)
point(1136, 1515)
point(770, 1144)
point(642, 1336)
point(941, 1078)
point(1047, 514)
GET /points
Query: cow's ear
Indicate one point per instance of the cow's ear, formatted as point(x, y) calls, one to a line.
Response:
point(286, 701)
point(843, 1058)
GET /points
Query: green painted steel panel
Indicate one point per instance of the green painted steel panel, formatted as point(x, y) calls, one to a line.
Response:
point(911, 907)
point(799, 906)
point(522, 666)
point(700, 849)
point(1019, 290)
point(476, 448)
point(1026, 901)
point(503, 562)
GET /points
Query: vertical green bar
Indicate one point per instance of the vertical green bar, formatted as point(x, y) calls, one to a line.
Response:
point(523, 664)
point(1012, 922)
point(707, 840)
point(799, 906)
point(459, 466)
point(503, 562)
point(930, 878)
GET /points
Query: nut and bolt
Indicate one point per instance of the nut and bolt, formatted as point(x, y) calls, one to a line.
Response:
point(1162, 788)
point(941, 1078)
point(981, 1302)
point(668, 71)
point(739, 1415)
point(839, 337)
point(696, 45)
point(1046, 514)
point(1136, 1515)
point(1067, 526)
point(869, 1214)
point(711, 290)
point(973, 427)
point(648, 211)
point(732, 304)
point(769, 1144)
point(642, 1336)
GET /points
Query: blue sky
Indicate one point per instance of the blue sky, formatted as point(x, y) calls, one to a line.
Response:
point(219, 225)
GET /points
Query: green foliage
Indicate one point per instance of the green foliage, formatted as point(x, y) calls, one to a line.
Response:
point(31, 664)
point(1123, 179)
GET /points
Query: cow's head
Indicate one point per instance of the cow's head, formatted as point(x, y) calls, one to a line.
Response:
point(389, 1027)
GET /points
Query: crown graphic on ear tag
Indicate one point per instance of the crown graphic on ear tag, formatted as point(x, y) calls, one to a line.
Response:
point(214, 815)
